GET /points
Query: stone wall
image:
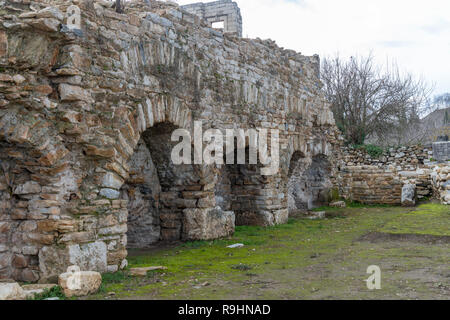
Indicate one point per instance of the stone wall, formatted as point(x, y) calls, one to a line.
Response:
point(225, 11)
point(79, 151)
point(441, 151)
point(370, 185)
point(402, 158)
point(379, 180)
point(440, 177)
point(310, 184)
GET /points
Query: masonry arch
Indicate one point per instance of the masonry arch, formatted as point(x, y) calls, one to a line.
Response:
point(309, 182)
point(253, 197)
point(158, 191)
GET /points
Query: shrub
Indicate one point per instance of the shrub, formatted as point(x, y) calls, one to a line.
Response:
point(373, 150)
point(55, 292)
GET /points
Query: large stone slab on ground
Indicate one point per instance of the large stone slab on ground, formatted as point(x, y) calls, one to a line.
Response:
point(142, 272)
point(409, 195)
point(11, 291)
point(77, 283)
point(207, 224)
point(338, 204)
point(317, 215)
point(31, 289)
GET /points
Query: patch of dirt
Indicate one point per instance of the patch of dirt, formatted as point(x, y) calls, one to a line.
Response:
point(335, 214)
point(296, 214)
point(376, 237)
point(301, 214)
point(157, 247)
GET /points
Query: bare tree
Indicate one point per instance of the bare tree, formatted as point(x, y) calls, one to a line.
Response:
point(442, 101)
point(371, 101)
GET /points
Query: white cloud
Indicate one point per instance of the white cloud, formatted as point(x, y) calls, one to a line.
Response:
point(414, 33)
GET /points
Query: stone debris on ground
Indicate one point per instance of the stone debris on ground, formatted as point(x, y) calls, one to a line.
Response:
point(409, 195)
point(338, 204)
point(77, 283)
point(32, 289)
point(314, 215)
point(11, 290)
point(237, 245)
point(142, 272)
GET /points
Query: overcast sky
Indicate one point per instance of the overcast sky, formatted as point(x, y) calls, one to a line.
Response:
point(413, 33)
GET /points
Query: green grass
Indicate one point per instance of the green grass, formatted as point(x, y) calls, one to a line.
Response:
point(284, 254)
point(430, 219)
point(352, 204)
point(55, 292)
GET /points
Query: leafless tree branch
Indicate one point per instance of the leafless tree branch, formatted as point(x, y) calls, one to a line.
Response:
point(368, 100)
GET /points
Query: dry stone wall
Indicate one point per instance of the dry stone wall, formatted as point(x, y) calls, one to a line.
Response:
point(379, 180)
point(402, 158)
point(370, 185)
point(80, 98)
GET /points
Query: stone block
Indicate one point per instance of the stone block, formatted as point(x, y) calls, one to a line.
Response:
point(77, 283)
point(11, 291)
point(29, 187)
point(32, 289)
point(73, 93)
point(409, 195)
point(207, 224)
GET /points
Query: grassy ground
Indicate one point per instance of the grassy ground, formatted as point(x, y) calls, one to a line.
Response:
point(304, 259)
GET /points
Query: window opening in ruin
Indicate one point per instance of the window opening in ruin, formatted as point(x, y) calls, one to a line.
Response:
point(218, 25)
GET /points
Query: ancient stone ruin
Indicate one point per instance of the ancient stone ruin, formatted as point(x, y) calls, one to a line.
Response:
point(382, 180)
point(225, 12)
point(89, 99)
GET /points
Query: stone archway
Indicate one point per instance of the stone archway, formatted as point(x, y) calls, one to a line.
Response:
point(79, 105)
point(142, 190)
point(253, 197)
point(309, 182)
point(158, 192)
